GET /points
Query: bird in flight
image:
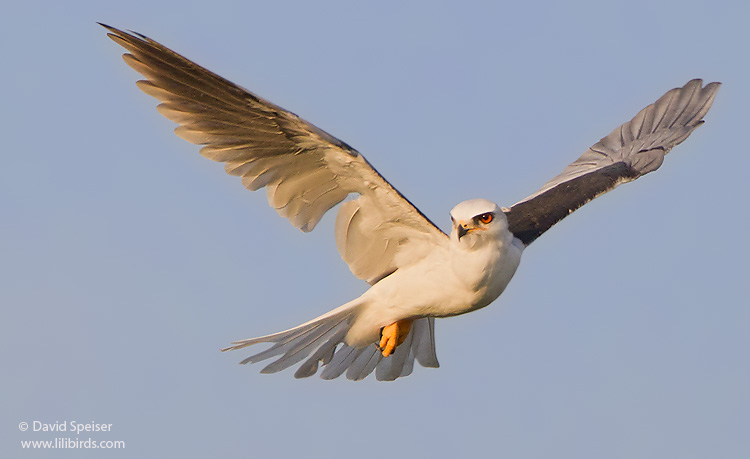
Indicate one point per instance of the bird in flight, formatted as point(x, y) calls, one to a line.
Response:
point(416, 272)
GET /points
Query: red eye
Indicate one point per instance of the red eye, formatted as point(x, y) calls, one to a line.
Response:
point(486, 218)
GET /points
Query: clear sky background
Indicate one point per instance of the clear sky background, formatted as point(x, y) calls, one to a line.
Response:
point(127, 260)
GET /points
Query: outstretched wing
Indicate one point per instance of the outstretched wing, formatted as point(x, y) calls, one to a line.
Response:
point(630, 151)
point(305, 170)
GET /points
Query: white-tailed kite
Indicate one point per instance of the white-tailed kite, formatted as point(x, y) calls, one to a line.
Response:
point(416, 272)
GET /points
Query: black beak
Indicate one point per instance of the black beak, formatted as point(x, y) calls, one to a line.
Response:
point(462, 230)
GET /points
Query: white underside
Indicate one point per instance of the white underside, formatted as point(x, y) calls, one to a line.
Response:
point(454, 278)
point(448, 282)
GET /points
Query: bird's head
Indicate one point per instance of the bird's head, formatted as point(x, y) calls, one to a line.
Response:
point(476, 221)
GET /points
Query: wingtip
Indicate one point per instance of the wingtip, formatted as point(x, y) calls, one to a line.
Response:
point(108, 27)
point(699, 83)
point(114, 33)
point(714, 85)
point(129, 35)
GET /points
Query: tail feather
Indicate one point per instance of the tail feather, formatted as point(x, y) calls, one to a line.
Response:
point(424, 342)
point(280, 347)
point(323, 355)
point(365, 364)
point(322, 342)
point(341, 361)
point(304, 345)
point(284, 336)
point(400, 364)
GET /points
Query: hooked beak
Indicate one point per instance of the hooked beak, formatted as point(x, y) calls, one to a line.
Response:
point(462, 228)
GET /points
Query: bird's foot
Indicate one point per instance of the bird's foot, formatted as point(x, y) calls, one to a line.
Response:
point(393, 336)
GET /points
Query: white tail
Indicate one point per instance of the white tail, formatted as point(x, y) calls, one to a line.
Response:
point(324, 338)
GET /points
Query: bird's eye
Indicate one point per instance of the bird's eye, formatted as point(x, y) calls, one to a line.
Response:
point(486, 218)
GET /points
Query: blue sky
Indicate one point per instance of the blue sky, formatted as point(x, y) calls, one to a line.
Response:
point(128, 260)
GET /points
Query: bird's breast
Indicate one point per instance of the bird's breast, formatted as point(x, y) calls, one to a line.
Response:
point(447, 283)
point(485, 272)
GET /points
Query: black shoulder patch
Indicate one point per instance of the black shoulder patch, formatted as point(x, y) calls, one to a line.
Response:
point(530, 219)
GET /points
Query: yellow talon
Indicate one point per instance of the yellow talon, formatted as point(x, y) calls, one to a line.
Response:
point(393, 336)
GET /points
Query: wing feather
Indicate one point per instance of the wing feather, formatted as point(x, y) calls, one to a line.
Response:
point(306, 171)
point(632, 150)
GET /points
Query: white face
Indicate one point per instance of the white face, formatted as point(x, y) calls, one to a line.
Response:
point(477, 220)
